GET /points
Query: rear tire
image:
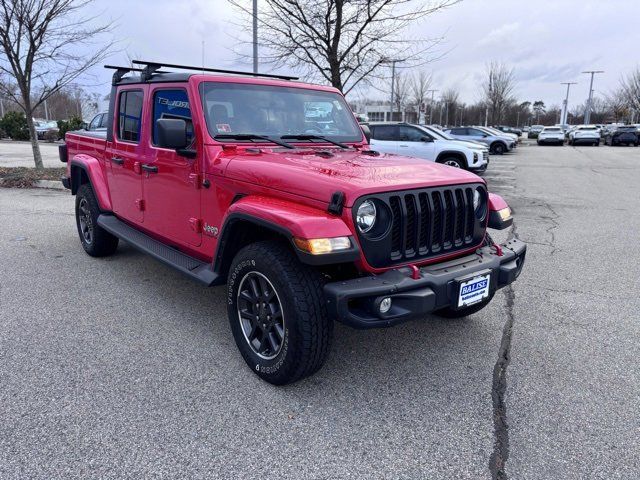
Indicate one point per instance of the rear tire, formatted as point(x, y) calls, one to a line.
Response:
point(286, 334)
point(95, 240)
point(498, 148)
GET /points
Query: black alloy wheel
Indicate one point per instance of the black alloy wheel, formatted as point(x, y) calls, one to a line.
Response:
point(85, 221)
point(260, 315)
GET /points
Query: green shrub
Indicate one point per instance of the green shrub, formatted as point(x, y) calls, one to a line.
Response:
point(15, 125)
point(64, 126)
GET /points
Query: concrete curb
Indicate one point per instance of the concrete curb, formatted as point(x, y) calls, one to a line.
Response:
point(48, 184)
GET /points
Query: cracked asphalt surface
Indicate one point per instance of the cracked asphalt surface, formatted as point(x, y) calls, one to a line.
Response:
point(121, 368)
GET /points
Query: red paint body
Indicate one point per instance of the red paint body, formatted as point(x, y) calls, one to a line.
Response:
point(289, 188)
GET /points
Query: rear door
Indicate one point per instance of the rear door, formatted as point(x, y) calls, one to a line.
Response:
point(385, 138)
point(123, 154)
point(171, 181)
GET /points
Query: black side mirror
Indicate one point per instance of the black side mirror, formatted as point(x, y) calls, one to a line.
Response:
point(426, 139)
point(172, 133)
point(366, 131)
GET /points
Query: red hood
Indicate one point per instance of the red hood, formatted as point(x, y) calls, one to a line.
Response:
point(306, 173)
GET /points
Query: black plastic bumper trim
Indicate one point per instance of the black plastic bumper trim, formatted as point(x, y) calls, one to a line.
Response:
point(353, 302)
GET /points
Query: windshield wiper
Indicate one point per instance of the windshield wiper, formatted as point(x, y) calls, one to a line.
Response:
point(314, 137)
point(251, 136)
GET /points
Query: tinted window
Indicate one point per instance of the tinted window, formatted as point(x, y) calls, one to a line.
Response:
point(103, 120)
point(95, 123)
point(172, 104)
point(385, 132)
point(129, 115)
point(459, 131)
point(475, 132)
point(411, 134)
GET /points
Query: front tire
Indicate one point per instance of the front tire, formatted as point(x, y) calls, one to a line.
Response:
point(454, 162)
point(277, 313)
point(95, 240)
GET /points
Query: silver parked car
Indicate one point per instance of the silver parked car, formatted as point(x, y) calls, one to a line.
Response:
point(498, 144)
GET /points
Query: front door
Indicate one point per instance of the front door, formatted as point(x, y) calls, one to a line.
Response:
point(124, 154)
point(416, 143)
point(171, 181)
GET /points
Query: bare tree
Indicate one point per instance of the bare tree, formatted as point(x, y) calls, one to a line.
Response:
point(401, 94)
point(419, 86)
point(343, 42)
point(630, 89)
point(498, 89)
point(449, 100)
point(618, 104)
point(45, 46)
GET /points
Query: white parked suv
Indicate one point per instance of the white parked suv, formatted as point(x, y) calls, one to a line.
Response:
point(422, 142)
point(584, 134)
point(554, 135)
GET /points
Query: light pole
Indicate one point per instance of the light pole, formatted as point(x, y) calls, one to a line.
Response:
point(565, 106)
point(433, 90)
point(587, 113)
point(255, 36)
point(393, 62)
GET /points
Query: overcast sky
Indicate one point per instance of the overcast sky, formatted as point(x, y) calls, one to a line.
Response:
point(547, 42)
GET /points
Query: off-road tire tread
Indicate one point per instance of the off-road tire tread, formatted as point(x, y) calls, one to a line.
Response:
point(307, 285)
point(104, 243)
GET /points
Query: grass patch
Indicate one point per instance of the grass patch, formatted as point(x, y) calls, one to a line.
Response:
point(23, 177)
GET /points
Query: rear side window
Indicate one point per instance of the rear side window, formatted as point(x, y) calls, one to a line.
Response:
point(385, 132)
point(458, 131)
point(129, 115)
point(172, 103)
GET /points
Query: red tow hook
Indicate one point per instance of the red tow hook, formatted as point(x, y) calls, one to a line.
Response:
point(415, 272)
point(498, 250)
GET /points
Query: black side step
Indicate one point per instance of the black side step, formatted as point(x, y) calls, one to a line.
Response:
point(192, 267)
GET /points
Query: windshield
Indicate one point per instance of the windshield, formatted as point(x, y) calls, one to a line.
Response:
point(234, 108)
point(438, 133)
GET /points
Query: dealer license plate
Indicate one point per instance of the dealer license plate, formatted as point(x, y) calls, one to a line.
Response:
point(473, 291)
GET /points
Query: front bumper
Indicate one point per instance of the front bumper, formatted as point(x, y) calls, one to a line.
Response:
point(353, 302)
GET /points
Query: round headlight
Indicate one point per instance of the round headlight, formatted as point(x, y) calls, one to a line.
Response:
point(366, 216)
point(476, 199)
point(480, 203)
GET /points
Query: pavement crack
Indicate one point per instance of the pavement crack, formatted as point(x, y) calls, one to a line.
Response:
point(500, 454)
point(553, 220)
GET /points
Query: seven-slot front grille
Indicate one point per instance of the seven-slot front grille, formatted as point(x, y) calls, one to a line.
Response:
point(422, 224)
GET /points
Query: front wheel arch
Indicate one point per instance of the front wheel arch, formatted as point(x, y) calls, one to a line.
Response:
point(459, 157)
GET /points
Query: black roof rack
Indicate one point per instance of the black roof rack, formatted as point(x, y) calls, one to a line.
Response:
point(120, 72)
point(153, 67)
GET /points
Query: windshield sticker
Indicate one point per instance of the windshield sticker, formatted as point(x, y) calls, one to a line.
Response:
point(223, 127)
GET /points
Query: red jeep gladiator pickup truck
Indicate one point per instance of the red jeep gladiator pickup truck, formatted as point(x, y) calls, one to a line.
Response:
point(268, 185)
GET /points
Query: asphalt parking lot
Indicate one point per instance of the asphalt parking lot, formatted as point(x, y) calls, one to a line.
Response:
point(121, 368)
